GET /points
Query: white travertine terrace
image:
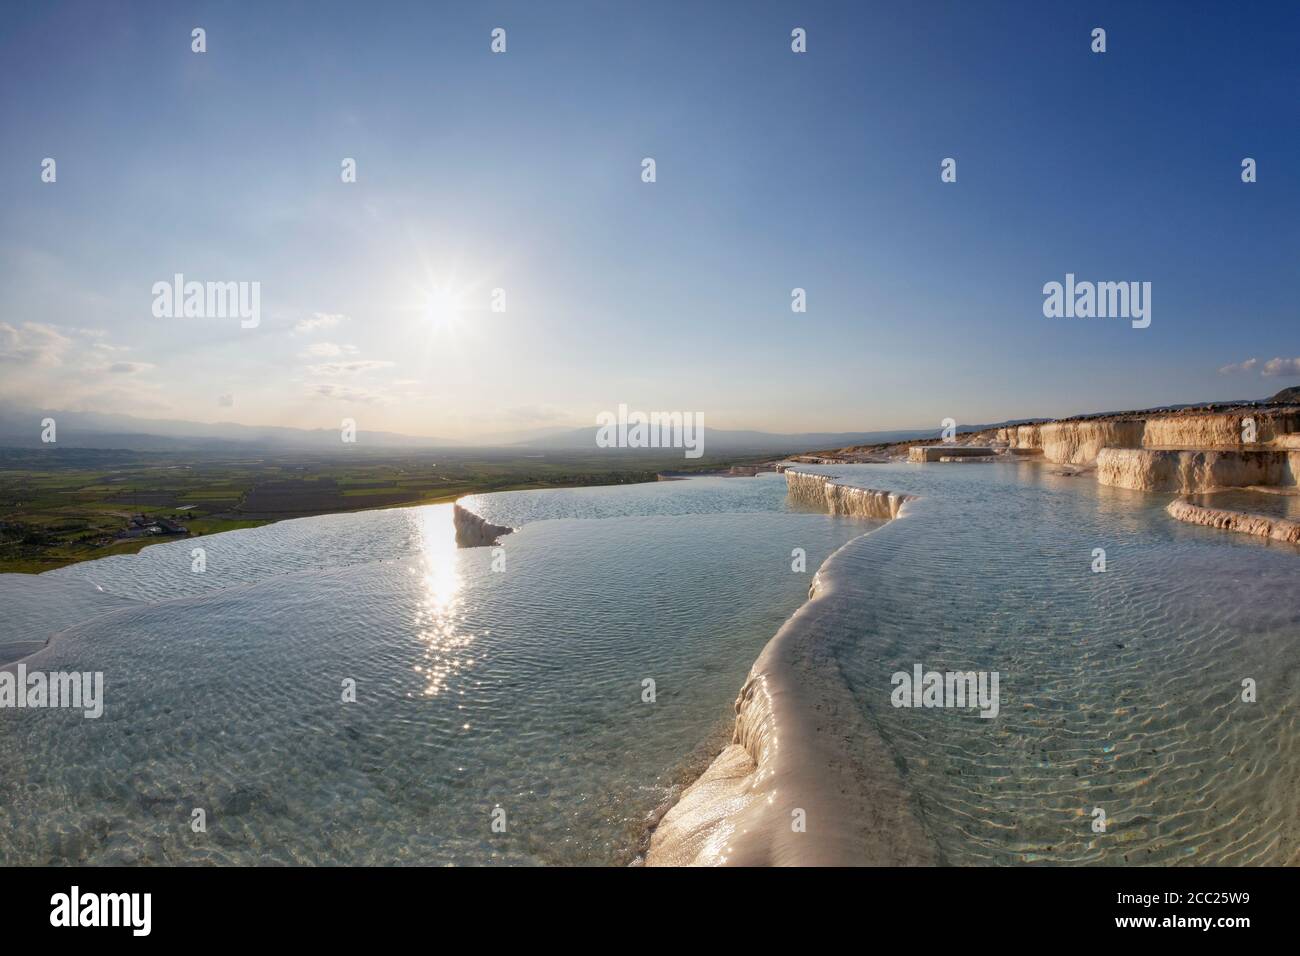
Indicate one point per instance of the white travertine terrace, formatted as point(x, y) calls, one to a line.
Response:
point(1187, 452)
point(1192, 472)
point(822, 491)
point(1074, 443)
point(949, 452)
point(1080, 441)
point(1279, 529)
point(1179, 451)
point(801, 743)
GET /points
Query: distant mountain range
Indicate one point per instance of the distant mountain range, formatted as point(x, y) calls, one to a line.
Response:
point(21, 428)
point(735, 441)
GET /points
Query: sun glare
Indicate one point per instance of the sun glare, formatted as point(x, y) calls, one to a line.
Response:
point(444, 309)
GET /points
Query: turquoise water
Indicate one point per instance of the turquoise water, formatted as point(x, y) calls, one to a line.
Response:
point(1121, 690)
point(520, 688)
point(1255, 502)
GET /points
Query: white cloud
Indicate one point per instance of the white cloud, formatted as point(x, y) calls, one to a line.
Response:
point(349, 368)
point(1282, 366)
point(328, 350)
point(1236, 367)
point(33, 343)
point(70, 367)
point(319, 320)
point(1275, 366)
point(346, 393)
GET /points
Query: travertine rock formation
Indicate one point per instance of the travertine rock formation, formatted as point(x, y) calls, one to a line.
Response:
point(1080, 441)
point(1075, 443)
point(1279, 529)
point(834, 769)
point(822, 491)
point(947, 452)
point(1187, 450)
point(801, 746)
point(1189, 472)
point(472, 531)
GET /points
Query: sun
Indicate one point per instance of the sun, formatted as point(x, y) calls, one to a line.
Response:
point(441, 305)
point(444, 310)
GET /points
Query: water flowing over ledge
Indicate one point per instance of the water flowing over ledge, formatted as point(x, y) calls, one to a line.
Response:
point(806, 780)
point(822, 491)
point(1279, 529)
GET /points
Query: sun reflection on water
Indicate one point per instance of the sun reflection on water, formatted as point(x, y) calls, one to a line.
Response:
point(439, 618)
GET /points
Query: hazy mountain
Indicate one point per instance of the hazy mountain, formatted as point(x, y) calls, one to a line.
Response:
point(520, 435)
point(726, 441)
point(22, 428)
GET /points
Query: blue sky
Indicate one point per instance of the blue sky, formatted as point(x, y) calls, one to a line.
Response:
point(521, 171)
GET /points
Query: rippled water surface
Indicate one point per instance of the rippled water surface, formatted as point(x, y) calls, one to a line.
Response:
point(520, 688)
point(1121, 690)
point(1255, 502)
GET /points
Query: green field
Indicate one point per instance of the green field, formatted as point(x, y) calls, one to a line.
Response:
point(60, 506)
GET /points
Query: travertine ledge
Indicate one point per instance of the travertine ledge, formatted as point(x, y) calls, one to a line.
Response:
point(1189, 471)
point(1079, 441)
point(1278, 529)
point(822, 491)
point(802, 749)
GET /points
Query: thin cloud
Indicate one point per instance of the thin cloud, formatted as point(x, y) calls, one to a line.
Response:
point(349, 368)
point(319, 320)
point(1286, 367)
point(33, 343)
point(46, 364)
point(1282, 366)
point(1238, 367)
point(347, 393)
point(328, 350)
